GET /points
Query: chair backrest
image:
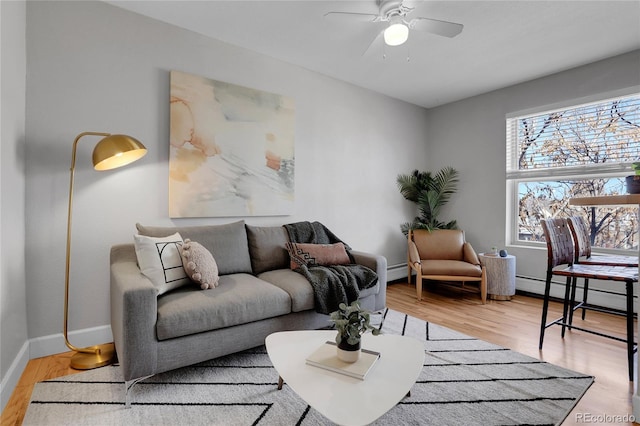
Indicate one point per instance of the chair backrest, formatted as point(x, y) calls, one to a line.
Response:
point(581, 236)
point(560, 249)
point(439, 244)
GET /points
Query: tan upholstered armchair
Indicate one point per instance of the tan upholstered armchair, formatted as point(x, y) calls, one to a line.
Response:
point(444, 255)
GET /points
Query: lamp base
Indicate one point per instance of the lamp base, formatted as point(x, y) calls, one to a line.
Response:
point(88, 361)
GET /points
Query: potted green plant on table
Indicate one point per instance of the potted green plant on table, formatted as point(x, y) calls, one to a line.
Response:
point(351, 322)
point(633, 181)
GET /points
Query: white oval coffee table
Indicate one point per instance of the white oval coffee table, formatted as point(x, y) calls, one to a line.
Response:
point(342, 399)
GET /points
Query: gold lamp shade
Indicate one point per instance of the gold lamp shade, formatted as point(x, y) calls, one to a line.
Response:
point(116, 151)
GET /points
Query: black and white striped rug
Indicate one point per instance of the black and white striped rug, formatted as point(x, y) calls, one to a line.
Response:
point(465, 381)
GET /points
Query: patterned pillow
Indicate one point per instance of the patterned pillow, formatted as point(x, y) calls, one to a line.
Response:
point(317, 254)
point(199, 264)
point(159, 259)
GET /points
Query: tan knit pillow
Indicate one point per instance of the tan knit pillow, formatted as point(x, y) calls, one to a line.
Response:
point(199, 264)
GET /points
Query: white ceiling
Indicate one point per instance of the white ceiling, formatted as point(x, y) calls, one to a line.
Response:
point(503, 42)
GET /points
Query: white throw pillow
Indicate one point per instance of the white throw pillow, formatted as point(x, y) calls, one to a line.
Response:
point(159, 259)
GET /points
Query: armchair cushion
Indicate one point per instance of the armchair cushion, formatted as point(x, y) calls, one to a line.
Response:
point(456, 268)
point(445, 244)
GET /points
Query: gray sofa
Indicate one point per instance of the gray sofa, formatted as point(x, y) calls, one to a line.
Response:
point(258, 295)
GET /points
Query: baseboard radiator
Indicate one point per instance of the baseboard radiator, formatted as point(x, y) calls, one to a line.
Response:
point(397, 272)
point(612, 298)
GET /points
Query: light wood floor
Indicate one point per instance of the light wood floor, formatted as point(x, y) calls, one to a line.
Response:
point(511, 324)
point(515, 325)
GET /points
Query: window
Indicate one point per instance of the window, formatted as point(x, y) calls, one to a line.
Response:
point(578, 151)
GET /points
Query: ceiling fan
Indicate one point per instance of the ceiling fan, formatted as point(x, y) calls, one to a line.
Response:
point(394, 14)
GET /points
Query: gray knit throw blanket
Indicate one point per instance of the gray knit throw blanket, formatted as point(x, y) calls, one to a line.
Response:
point(333, 284)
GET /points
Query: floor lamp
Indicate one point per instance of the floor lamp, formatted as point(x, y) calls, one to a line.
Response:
point(111, 152)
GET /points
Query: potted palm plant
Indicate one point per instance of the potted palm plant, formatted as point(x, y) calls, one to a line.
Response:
point(351, 322)
point(430, 192)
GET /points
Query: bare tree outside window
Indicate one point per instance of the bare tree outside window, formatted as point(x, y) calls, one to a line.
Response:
point(576, 152)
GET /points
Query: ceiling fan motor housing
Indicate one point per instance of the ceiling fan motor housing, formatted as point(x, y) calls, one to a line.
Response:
point(391, 8)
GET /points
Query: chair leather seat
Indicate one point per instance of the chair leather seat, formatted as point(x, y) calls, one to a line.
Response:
point(450, 267)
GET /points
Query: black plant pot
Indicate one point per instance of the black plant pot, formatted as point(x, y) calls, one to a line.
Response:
point(633, 184)
point(345, 346)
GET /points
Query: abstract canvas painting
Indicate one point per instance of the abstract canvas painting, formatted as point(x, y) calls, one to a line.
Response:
point(231, 150)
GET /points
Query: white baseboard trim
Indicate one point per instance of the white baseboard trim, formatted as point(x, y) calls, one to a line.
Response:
point(54, 344)
point(11, 379)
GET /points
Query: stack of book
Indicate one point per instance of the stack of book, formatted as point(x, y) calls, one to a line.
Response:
point(326, 357)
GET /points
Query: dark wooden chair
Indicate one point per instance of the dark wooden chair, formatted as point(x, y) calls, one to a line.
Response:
point(561, 262)
point(581, 233)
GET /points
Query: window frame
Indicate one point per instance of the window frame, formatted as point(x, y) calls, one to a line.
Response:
point(514, 177)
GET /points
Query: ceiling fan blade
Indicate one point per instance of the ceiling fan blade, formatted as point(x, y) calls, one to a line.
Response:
point(350, 16)
point(442, 28)
point(377, 40)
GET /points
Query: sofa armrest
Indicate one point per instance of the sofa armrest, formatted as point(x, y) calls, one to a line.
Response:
point(377, 263)
point(134, 311)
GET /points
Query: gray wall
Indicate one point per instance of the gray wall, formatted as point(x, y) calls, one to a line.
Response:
point(95, 67)
point(13, 306)
point(470, 135)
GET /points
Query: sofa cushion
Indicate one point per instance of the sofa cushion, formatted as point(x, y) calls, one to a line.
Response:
point(159, 259)
point(239, 299)
point(227, 243)
point(199, 264)
point(295, 284)
point(300, 290)
point(317, 254)
point(267, 248)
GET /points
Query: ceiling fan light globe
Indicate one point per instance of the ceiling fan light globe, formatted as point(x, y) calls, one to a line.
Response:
point(396, 34)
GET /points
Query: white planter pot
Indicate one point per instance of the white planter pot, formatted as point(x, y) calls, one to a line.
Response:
point(348, 356)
